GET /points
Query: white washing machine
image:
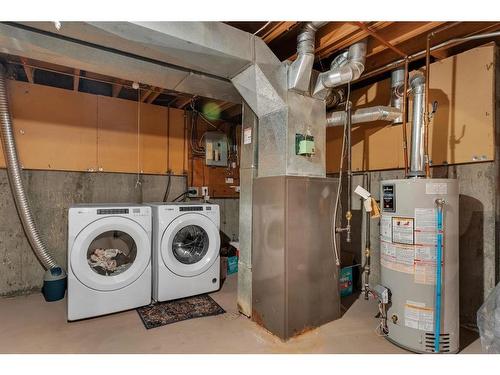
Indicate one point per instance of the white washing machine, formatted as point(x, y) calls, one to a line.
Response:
point(186, 244)
point(109, 258)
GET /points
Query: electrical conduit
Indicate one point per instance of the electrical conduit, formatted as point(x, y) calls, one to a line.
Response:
point(55, 276)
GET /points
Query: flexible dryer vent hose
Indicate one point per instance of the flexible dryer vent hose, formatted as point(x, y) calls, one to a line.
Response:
point(15, 180)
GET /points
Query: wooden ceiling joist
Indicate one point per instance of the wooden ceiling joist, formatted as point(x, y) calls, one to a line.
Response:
point(336, 36)
point(233, 111)
point(399, 33)
point(153, 96)
point(182, 102)
point(277, 30)
point(144, 94)
point(30, 72)
point(116, 90)
point(76, 80)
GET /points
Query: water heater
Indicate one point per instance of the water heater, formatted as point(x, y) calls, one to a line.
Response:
point(419, 263)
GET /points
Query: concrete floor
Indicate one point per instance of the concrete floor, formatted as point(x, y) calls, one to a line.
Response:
point(33, 326)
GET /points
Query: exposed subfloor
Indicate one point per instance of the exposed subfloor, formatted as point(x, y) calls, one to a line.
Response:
point(30, 325)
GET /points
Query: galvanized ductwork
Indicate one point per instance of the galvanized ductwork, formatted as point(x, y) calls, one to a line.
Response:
point(299, 74)
point(342, 73)
point(397, 91)
point(417, 166)
point(54, 272)
point(362, 115)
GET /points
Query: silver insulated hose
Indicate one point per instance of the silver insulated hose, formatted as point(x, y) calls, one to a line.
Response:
point(15, 180)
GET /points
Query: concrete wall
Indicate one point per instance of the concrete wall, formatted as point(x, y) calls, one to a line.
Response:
point(51, 193)
point(478, 247)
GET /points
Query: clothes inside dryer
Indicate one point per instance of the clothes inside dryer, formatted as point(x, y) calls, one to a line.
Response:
point(111, 253)
point(190, 244)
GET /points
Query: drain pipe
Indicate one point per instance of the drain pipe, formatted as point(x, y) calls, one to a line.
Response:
point(349, 71)
point(54, 285)
point(417, 165)
point(299, 73)
point(362, 115)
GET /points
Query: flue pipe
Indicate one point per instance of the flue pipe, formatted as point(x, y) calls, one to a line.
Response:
point(15, 179)
point(341, 74)
point(299, 73)
point(405, 116)
point(417, 166)
point(363, 115)
point(397, 93)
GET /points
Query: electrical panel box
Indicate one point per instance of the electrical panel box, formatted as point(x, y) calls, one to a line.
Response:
point(216, 148)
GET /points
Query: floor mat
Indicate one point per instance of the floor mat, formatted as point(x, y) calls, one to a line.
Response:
point(163, 313)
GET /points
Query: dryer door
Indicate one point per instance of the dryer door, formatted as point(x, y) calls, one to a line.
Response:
point(110, 253)
point(190, 245)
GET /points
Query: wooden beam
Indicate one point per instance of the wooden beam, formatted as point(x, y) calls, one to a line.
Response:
point(339, 35)
point(233, 111)
point(116, 90)
point(375, 35)
point(182, 102)
point(144, 94)
point(278, 30)
point(30, 72)
point(418, 44)
point(76, 80)
point(153, 96)
point(399, 33)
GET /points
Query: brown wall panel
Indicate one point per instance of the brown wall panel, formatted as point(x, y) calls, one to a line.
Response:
point(117, 137)
point(154, 124)
point(462, 130)
point(53, 130)
point(176, 144)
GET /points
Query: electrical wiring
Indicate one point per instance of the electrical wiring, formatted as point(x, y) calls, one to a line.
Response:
point(262, 28)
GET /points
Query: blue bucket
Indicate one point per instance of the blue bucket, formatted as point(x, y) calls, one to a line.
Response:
point(54, 284)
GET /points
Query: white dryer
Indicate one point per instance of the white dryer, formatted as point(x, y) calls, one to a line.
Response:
point(186, 245)
point(109, 258)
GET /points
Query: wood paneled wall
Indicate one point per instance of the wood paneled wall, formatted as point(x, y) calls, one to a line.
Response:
point(462, 130)
point(216, 178)
point(65, 130)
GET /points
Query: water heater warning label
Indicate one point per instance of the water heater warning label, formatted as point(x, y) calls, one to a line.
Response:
point(418, 316)
point(402, 230)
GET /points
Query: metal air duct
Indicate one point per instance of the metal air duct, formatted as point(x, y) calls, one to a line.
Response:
point(417, 166)
point(362, 115)
point(341, 74)
point(397, 91)
point(55, 276)
point(299, 73)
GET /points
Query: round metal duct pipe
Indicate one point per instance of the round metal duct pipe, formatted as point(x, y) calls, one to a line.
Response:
point(15, 180)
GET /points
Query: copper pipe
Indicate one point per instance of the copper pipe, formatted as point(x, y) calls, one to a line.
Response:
point(405, 109)
point(427, 117)
point(363, 26)
point(418, 55)
point(426, 105)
